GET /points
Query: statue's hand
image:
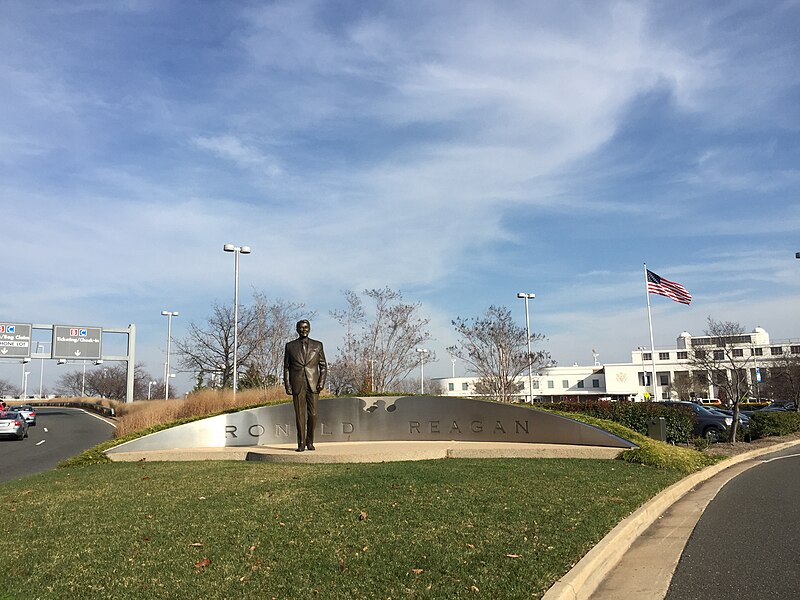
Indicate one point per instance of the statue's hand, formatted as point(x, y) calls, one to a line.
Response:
point(288, 391)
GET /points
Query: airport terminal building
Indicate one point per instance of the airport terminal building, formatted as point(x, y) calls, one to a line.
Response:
point(631, 381)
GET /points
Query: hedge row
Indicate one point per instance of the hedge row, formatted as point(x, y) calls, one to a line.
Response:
point(765, 424)
point(635, 415)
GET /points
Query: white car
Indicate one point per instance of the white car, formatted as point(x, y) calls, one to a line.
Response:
point(27, 412)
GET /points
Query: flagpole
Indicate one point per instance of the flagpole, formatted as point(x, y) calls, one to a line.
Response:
point(652, 343)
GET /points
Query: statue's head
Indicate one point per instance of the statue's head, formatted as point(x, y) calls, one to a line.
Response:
point(303, 327)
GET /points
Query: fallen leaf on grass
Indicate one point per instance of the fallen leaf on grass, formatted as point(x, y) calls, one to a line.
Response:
point(514, 555)
point(341, 564)
point(475, 588)
point(417, 571)
point(202, 563)
point(196, 545)
point(362, 516)
point(470, 545)
point(251, 549)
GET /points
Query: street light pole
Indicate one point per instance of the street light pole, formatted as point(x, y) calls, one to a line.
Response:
point(41, 371)
point(169, 315)
point(25, 361)
point(25, 384)
point(422, 353)
point(525, 296)
point(236, 251)
point(149, 385)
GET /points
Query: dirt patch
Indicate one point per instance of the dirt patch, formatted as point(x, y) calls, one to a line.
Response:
point(728, 449)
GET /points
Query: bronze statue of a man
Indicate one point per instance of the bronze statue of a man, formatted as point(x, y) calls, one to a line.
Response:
point(304, 372)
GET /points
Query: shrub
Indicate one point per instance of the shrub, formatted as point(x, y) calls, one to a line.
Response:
point(650, 452)
point(765, 424)
point(635, 415)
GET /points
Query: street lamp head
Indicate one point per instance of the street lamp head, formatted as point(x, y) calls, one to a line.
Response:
point(524, 295)
point(244, 250)
point(229, 248)
point(797, 254)
point(62, 361)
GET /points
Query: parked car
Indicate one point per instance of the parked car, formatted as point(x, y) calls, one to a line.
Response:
point(744, 419)
point(708, 423)
point(777, 407)
point(13, 424)
point(27, 411)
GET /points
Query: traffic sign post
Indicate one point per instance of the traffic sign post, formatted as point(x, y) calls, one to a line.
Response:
point(15, 340)
point(77, 342)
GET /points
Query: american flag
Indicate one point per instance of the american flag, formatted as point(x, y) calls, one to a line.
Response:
point(665, 287)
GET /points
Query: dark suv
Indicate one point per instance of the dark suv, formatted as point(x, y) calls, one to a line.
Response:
point(707, 423)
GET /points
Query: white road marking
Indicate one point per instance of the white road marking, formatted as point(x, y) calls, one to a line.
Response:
point(103, 419)
point(44, 429)
point(780, 457)
point(40, 443)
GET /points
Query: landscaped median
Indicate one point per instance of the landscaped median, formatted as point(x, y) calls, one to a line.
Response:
point(448, 528)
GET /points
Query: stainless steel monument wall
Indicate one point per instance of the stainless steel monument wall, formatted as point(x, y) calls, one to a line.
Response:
point(381, 419)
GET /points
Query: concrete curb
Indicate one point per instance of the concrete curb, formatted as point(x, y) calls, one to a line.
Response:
point(586, 576)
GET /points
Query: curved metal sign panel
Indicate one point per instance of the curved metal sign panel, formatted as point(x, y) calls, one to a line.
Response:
point(412, 418)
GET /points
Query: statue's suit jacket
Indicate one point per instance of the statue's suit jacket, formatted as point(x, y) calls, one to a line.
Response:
point(304, 372)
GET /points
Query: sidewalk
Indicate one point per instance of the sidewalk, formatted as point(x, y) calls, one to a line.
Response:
point(362, 452)
point(637, 559)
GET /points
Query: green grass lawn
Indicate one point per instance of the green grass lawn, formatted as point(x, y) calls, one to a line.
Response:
point(501, 528)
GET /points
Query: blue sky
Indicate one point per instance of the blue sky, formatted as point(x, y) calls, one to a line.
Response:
point(460, 152)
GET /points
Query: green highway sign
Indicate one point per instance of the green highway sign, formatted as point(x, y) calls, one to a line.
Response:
point(15, 340)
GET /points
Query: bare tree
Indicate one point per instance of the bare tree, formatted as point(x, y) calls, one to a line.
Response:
point(783, 379)
point(273, 325)
point(722, 364)
point(70, 384)
point(496, 350)
point(7, 388)
point(209, 349)
point(380, 348)
point(109, 382)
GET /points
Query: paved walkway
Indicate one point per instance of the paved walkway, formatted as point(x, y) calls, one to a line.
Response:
point(637, 559)
point(353, 452)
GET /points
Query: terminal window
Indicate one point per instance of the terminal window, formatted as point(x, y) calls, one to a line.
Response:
point(580, 383)
point(776, 351)
point(464, 386)
point(451, 387)
point(595, 383)
point(758, 351)
point(550, 384)
point(564, 383)
point(683, 355)
point(663, 356)
point(738, 352)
